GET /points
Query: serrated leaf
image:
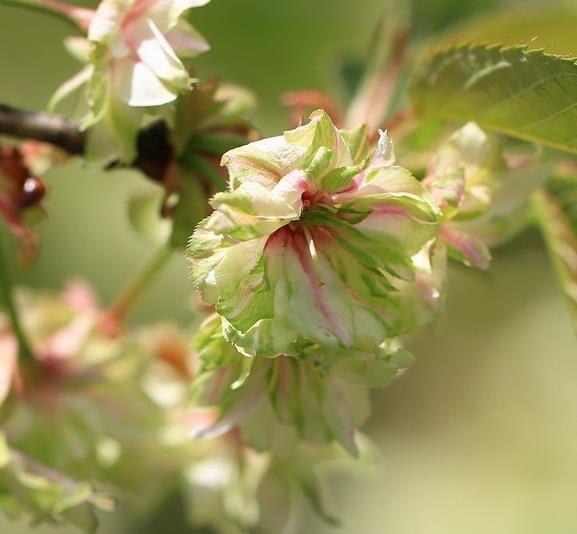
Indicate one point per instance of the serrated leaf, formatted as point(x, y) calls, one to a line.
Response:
point(530, 95)
point(535, 28)
point(561, 243)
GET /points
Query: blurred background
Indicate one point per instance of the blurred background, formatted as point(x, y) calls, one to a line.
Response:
point(480, 436)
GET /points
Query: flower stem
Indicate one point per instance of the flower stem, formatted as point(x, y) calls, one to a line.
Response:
point(76, 16)
point(120, 309)
point(387, 57)
point(25, 353)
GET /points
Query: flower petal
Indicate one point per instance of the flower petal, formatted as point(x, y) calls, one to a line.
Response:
point(465, 248)
point(138, 86)
point(155, 52)
point(186, 40)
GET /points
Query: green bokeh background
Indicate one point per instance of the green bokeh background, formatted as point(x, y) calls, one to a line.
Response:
point(481, 435)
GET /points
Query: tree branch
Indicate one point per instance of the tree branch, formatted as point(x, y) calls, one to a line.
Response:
point(42, 127)
point(154, 151)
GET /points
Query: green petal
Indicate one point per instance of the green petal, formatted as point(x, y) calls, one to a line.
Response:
point(265, 161)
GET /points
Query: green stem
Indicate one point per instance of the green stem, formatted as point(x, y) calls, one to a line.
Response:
point(24, 351)
point(136, 288)
point(387, 59)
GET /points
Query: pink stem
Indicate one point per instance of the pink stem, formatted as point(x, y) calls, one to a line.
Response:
point(82, 16)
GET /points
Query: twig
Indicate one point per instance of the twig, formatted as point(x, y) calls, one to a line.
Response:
point(377, 89)
point(42, 127)
point(76, 17)
point(153, 145)
point(119, 310)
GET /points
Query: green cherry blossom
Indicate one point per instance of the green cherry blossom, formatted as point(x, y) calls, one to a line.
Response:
point(483, 196)
point(312, 242)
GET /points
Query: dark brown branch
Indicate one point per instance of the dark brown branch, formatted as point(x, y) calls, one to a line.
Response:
point(42, 127)
point(154, 151)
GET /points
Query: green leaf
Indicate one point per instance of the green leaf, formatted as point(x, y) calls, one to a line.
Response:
point(144, 216)
point(529, 95)
point(561, 243)
point(536, 28)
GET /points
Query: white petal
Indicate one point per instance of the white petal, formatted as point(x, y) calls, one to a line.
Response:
point(138, 86)
point(155, 51)
point(166, 14)
point(106, 22)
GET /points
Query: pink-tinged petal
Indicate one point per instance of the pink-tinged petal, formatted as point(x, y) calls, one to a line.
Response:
point(148, 43)
point(240, 410)
point(379, 181)
point(68, 341)
point(469, 250)
point(398, 226)
point(80, 296)
point(82, 16)
point(140, 9)
point(318, 289)
point(8, 355)
point(200, 419)
point(186, 41)
point(447, 191)
point(356, 184)
point(292, 187)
